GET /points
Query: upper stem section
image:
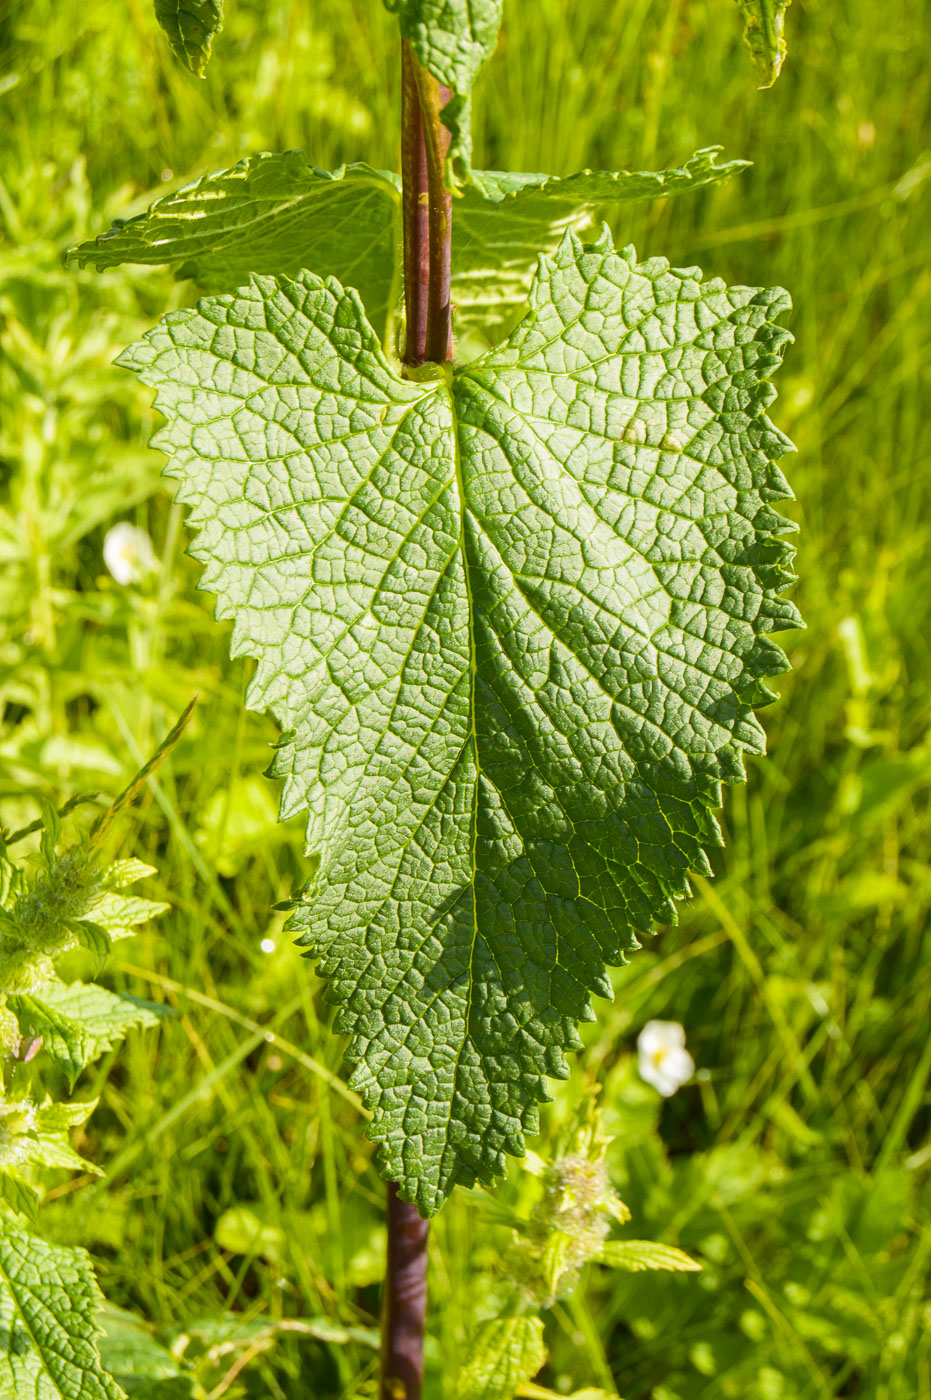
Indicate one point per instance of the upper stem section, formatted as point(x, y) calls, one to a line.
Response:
point(427, 214)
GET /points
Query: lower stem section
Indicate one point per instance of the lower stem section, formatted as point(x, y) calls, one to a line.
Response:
point(404, 1311)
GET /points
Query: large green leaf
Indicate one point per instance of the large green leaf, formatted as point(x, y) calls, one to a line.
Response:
point(48, 1305)
point(513, 620)
point(191, 27)
point(277, 214)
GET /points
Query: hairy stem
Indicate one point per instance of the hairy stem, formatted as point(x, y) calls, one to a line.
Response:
point(427, 214)
point(415, 213)
point(405, 1302)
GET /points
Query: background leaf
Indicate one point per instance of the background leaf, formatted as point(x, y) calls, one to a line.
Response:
point(191, 27)
point(764, 27)
point(638, 1256)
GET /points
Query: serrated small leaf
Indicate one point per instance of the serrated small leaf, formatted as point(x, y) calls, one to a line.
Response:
point(764, 36)
point(47, 1143)
point(80, 1022)
point(514, 620)
point(638, 1256)
point(278, 214)
point(504, 1354)
point(48, 1312)
point(18, 1194)
point(63, 1040)
point(191, 27)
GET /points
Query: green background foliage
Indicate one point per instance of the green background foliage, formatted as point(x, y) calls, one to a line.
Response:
point(795, 1167)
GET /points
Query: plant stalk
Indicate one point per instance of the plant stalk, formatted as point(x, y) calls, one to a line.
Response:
point(427, 214)
point(404, 1307)
point(414, 214)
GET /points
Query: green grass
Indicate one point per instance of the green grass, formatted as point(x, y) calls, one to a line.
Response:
point(796, 1166)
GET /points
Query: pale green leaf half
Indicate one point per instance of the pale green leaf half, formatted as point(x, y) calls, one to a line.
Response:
point(514, 622)
point(504, 221)
point(504, 1354)
point(48, 1304)
point(764, 36)
point(278, 214)
point(637, 1256)
point(190, 27)
point(80, 1022)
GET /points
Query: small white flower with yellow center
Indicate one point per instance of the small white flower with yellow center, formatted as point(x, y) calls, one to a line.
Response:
point(663, 1060)
point(128, 553)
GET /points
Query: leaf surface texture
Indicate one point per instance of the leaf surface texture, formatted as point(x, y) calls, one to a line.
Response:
point(513, 622)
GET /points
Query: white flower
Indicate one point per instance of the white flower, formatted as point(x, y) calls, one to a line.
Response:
point(663, 1060)
point(128, 553)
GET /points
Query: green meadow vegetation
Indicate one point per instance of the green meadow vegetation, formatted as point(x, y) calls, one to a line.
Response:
point(237, 1230)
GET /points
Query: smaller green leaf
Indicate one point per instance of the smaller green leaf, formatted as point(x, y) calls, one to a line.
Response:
point(18, 1194)
point(48, 1144)
point(48, 1314)
point(639, 1256)
point(191, 27)
point(764, 25)
point(80, 1022)
point(506, 1354)
point(504, 220)
point(63, 1039)
point(272, 213)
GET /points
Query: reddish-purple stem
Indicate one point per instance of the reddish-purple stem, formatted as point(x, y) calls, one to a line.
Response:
point(415, 214)
point(427, 214)
point(427, 225)
point(405, 1302)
